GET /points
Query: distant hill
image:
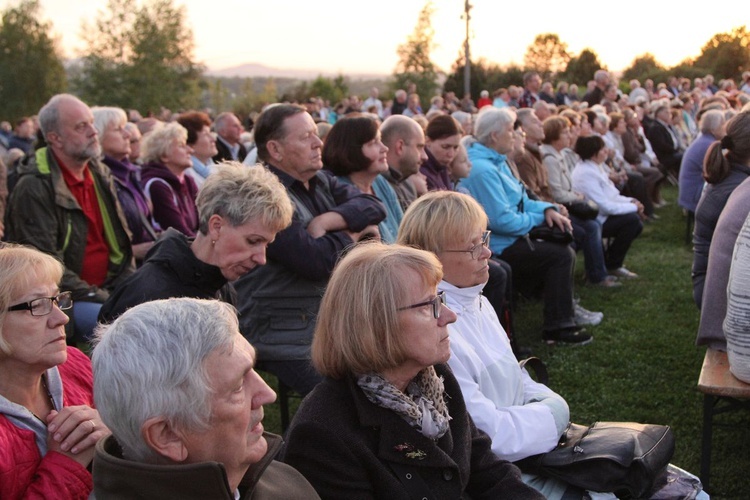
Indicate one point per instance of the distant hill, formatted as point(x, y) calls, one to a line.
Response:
point(253, 70)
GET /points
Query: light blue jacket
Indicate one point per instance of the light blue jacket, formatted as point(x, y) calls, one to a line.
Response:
point(510, 211)
point(384, 192)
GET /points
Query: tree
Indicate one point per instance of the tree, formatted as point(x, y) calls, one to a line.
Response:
point(581, 69)
point(485, 75)
point(726, 55)
point(414, 65)
point(547, 55)
point(644, 67)
point(31, 70)
point(140, 58)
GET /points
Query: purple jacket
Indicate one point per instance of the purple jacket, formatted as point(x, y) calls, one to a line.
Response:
point(173, 200)
point(437, 175)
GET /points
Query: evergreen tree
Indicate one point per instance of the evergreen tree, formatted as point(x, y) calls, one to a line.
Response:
point(31, 70)
point(414, 65)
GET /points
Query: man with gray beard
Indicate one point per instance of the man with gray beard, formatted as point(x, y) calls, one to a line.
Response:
point(64, 204)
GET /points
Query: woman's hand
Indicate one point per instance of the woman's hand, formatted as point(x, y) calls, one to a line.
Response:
point(74, 431)
point(551, 217)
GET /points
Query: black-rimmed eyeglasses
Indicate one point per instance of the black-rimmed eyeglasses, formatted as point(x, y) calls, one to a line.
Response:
point(476, 250)
point(43, 305)
point(436, 304)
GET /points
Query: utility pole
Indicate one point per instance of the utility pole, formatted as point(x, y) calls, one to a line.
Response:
point(467, 61)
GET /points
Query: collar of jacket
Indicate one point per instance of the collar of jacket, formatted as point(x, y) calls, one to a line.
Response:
point(460, 300)
point(482, 152)
point(121, 478)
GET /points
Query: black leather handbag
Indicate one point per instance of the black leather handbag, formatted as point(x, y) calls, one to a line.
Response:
point(624, 458)
point(583, 209)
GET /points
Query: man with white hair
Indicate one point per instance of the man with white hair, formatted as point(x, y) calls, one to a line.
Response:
point(712, 126)
point(228, 134)
point(65, 204)
point(174, 380)
point(374, 101)
point(601, 80)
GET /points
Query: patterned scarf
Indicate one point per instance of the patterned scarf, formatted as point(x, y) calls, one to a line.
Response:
point(422, 406)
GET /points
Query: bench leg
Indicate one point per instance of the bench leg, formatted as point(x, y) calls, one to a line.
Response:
point(708, 412)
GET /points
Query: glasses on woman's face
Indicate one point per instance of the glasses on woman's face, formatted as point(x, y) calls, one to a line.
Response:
point(436, 304)
point(476, 250)
point(43, 305)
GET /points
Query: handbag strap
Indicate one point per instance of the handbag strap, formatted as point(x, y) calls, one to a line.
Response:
point(539, 368)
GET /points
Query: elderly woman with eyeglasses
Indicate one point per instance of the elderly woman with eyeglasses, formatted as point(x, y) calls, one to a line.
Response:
point(48, 426)
point(521, 416)
point(389, 421)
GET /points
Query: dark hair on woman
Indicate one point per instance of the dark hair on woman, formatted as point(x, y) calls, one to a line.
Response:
point(442, 126)
point(194, 123)
point(717, 164)
point(342, 150)
point(588, 147)
point(590, 116)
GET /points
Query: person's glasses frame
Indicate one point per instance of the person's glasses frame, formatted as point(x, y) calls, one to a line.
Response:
point(436, 304)
point(43, 305)
point(476, 250)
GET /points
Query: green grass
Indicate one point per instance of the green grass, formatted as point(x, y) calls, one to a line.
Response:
point(643, 364)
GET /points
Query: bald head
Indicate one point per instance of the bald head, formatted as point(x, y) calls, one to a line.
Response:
point(405, 141)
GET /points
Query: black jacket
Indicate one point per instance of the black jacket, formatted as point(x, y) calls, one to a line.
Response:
point(170, 270)
point(225, 154)
point(348, 447)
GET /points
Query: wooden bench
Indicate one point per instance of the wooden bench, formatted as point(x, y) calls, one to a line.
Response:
point(722, 393)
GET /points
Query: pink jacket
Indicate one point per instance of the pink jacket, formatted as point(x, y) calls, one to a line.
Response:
point(24, 473)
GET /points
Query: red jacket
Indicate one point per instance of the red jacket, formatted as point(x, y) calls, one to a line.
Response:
point(24, 473)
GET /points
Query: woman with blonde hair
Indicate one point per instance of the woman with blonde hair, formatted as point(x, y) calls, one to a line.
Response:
point(389, 420)
point(48, 424)
point(240, 211)
point(166, 157)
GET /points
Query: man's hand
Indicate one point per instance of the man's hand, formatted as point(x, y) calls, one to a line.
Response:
point(369, 233)
point(419, 181)
point(326, 223)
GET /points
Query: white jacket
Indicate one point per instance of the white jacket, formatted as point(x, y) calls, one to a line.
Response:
point(590, 180)
point(522, 417)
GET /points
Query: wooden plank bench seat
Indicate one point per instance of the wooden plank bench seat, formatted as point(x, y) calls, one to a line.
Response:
point(722, 393)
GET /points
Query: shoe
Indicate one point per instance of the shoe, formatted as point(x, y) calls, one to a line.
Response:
point(622, 272)
point(567, 336)
point(661, 203)
point(608, 282)
point(653, 217)
point(583, 317)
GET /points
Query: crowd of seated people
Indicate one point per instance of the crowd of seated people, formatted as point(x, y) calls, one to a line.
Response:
point(141, 209)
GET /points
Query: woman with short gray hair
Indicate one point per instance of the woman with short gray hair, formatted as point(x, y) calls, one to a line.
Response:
point(512, 214)
point(240, 210)
point(114, 139)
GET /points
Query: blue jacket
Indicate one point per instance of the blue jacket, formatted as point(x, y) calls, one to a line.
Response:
point(510, 211)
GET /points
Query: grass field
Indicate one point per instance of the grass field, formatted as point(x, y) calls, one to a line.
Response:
point(643, 364)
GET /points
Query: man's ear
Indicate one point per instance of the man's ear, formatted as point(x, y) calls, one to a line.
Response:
point(399, 147)
point(53, 139)
point(274, 149)
point(159, 435)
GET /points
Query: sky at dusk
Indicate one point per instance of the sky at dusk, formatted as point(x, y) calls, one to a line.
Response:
point(362, 36)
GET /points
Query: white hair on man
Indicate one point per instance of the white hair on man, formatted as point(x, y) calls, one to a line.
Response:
point(150, 362)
